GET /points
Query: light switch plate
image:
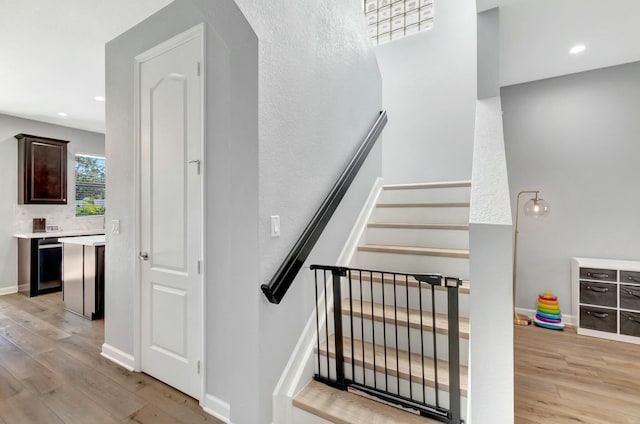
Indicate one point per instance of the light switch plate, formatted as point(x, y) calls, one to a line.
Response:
point(275, 225)
point(115, 226)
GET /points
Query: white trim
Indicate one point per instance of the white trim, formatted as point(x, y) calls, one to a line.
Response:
point(203, 213)
point(216, 407)
point(569, 320)
point(300, 366)
point(117, 356)
point(8, 290)
point(188, 35)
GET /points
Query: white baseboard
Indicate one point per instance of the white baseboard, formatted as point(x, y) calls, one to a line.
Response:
point(117, 356)
point(217, 408)
point(569, 320)
point(299, 369)
point(8, 290)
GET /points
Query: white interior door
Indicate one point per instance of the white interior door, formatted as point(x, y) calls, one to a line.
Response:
point(171, 212)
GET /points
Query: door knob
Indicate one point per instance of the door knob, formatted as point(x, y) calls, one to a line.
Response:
point(144, 256)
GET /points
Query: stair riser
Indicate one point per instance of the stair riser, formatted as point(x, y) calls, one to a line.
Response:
point(457, 194)
point(421, 215)
point(445, 239)
point(391, 382)
point(401, 296)
point(452, 267)
point(303, 417)
point(442, 340)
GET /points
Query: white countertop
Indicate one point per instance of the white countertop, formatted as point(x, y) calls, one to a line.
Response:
point(86, 241)
point(60, 234)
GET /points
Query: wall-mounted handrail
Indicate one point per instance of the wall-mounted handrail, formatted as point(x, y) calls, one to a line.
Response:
point(277, 287)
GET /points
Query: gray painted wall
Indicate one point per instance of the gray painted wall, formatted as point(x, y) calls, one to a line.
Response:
point(575, 138)
point(231, 264)
point(430, 93)
point(80, 142)
point(276, 141)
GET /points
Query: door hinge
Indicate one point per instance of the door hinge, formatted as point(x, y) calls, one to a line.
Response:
point(197, 162)
point(199, 267)
point(198, 68)
point(198, 367)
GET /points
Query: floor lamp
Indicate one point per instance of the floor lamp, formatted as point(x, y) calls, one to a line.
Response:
point(536, 207)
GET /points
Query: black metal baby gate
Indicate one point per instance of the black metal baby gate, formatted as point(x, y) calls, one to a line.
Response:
point(378, 358)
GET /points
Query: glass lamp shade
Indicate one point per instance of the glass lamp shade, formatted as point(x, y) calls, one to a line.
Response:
point(536, 207)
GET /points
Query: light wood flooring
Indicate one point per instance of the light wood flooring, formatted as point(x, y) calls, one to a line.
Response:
point(561, 377)
point(51, 371)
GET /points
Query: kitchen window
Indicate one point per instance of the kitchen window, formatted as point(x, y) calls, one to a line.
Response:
point(90, 184)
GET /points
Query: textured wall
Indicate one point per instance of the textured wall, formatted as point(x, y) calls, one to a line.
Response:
point(430, 93)
point(575, 138)
point(17, 218)
point(320, 91)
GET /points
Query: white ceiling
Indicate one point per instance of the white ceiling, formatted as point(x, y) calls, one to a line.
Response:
point(52, 52)
point(536, 35)
point(52, 56)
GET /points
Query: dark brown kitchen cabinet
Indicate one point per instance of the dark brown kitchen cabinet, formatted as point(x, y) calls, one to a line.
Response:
point(42, 170)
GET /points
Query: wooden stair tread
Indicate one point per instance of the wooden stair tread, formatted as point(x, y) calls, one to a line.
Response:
point(398, 363)
point(400, 281)
point(411, 250)
point(424, 205)
point(418, 186)
point(403, 226)
point(342, 407)
point(398, 316)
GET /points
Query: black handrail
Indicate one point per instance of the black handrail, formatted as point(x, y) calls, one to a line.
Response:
point(277, 287)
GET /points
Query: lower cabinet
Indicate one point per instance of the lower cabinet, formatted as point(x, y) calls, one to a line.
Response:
point(606, 298)
point(84, 280)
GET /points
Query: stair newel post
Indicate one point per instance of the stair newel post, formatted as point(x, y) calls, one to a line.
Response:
point(337, 274)
point(452, 285)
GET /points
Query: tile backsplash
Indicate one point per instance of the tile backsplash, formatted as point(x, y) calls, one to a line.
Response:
point(64, 216)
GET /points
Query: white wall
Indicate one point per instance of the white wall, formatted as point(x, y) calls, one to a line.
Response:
point(320, 91)
point(277, 140)
point(490, 245)
point(429, 92)
point(17, 218)
point(575, 138)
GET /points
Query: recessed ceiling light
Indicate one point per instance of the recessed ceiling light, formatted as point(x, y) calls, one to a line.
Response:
point(99, 98)
point(62, 114)
point(577, 49)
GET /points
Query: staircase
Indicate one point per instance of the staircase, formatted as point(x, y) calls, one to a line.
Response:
point(389, 327)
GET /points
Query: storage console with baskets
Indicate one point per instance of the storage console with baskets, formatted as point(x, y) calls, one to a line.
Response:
point(606, 298)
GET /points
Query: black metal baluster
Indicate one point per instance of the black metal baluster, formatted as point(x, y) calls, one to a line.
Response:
point(452, 285)
point(326, 323)
point(406, 280)
point(435, 345)
point(353, 365)
point(395, 310)
point(337, 274)
point(373, 332)
point(384, 335)
point(315, 272)
point(424, 385)
point(364, 374)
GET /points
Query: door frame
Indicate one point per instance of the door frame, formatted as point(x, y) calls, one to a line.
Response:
point(194, 32)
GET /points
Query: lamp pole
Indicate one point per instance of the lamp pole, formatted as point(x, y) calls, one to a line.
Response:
point(519, 319)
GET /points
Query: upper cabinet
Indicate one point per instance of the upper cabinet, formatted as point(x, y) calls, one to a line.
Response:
point(42, 170)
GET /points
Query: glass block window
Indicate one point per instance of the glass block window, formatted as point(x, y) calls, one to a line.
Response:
point(392, 19)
